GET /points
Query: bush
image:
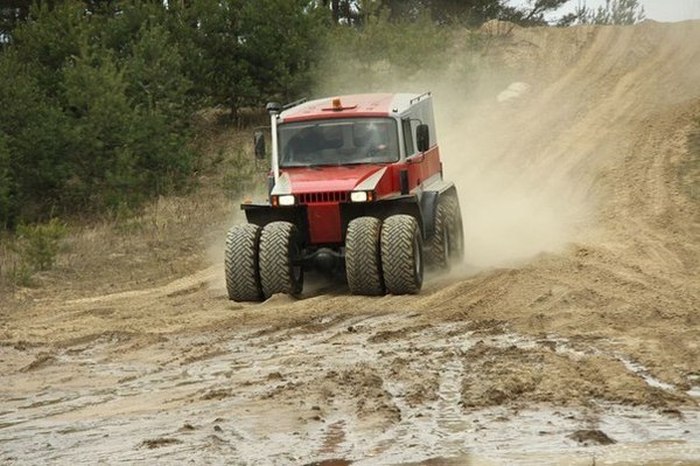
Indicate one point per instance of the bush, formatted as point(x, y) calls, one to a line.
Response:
point(32, 249)
point(38, 245)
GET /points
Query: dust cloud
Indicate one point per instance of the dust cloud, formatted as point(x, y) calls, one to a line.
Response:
point(517, 201)
point(216, 246)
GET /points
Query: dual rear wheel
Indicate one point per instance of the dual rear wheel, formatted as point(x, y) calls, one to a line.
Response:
point(384, 257)
point(446, 246)
point(388, 257)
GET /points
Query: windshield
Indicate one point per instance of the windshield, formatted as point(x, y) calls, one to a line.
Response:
point(338, 142)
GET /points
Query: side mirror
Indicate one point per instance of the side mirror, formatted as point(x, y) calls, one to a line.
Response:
point(423, 137)
point(273, 107)
point(259, 144)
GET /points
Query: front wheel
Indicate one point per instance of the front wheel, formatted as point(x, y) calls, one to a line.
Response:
point(279, 250)
point(402, 254)
point(241, 263)
point(362, 258)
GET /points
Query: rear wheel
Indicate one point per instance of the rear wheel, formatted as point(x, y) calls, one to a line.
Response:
point(402, 255)
point(456, 245)
point(362, 258)
point(439, 246)
point(241, 263)
point(279, 249)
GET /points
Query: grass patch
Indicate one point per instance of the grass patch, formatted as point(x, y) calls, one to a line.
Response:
point(34, 248)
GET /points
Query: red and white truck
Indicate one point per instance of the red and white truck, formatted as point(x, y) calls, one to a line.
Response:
point(356, 187)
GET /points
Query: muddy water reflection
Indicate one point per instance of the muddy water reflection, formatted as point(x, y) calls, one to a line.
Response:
point(342, 389)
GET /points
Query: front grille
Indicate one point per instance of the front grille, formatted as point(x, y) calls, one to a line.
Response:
point(315, 198)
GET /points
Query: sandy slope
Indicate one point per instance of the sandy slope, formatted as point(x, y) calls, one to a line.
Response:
point(578, 307)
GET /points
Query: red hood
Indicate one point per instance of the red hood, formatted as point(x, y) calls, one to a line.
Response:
point(324, 179)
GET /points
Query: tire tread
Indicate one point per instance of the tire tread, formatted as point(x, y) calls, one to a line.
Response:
point(399, 232)
point(276, 271)
point(362, 257)
point(444, 217)
point(241, 263)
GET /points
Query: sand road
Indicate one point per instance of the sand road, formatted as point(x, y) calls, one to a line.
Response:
point(574, 323)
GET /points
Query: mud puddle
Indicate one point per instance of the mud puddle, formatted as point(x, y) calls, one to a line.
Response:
point(353, 389)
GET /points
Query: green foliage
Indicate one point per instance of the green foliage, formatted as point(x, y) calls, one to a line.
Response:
point(5, 182)
point(91, 122)
point(469, 13)
point(533, 14)
point(466, 13)
point(12, 12)
point(32, 249)
point(244, 52)
point(211, 31)
point(33, 129)
point(410, 46)
point(382, 54)
point(94, 92)
point(280, 40)
point(154, 72)
point(122, 150)
point(49, 38)
point(614, 12)
point(38, 245)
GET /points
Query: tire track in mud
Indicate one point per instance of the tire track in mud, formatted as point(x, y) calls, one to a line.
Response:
point(248, 394)
point(185, 285)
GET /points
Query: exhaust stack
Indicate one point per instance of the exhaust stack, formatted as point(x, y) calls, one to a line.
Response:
point(274, 110)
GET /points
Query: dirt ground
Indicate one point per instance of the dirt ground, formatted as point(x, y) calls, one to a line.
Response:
point(571, 335)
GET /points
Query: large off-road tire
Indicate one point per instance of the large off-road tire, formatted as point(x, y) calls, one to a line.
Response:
point(362, 259)
point(402, 254)
point(279, 248)
point(446, 246)
point(456, 234)
point(241, 263)
point(438, 247)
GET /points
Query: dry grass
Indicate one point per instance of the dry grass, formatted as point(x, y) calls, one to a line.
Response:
point(168, 238)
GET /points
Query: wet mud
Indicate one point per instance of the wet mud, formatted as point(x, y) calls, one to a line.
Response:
point(293, 397)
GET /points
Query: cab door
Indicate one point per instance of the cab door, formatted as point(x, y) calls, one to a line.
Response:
point(420, 165)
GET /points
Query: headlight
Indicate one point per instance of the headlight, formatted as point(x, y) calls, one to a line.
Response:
point(286, 200)
point(358, 196)
point(361, 196)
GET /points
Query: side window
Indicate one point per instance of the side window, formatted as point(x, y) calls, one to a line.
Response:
point(408, 137)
